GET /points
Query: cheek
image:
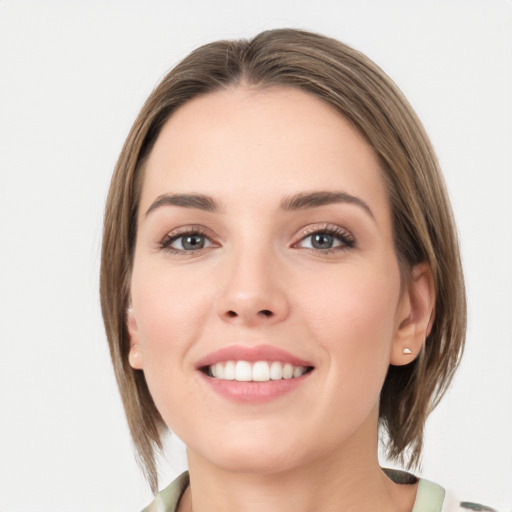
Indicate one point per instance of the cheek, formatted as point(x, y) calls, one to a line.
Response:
point(171, 310)
point(353, 302)
point(352, 317)
point(353, 322)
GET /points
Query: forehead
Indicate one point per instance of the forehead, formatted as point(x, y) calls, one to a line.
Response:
point(260, 143)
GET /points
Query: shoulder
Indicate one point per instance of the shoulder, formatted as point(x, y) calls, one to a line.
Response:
point(453, 504)
point(431, 497)
point(168, 499)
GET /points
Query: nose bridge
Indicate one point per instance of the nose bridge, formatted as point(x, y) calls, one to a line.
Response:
point(252, 290)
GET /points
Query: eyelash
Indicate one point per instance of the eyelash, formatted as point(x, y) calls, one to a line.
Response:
point(342, 235)
point(170, 238)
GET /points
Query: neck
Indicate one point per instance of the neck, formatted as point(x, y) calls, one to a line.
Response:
point(348, 478)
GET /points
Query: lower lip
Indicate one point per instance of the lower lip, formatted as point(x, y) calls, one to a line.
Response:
point(254, 392)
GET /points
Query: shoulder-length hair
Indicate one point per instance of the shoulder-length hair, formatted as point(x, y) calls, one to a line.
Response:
point(423, 224)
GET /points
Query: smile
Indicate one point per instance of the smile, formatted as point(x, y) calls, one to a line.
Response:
point(259, 371)
point(253, 374)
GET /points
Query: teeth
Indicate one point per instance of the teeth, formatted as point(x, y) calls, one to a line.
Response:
point(276, 370)
point(243, 371)
point(287, 371)
point(229, 370)
point(219, 371)
point(298, 371)
point(260, 371)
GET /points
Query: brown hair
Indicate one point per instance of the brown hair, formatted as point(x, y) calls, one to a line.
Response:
point(423, 223)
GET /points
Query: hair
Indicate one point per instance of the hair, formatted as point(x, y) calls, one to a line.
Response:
point(423, 224)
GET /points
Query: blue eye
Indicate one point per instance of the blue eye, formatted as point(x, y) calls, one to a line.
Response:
point(323, 241)
point(328, 239)
point(190, 242)
point(186, 242)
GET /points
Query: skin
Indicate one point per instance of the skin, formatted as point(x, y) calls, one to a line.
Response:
point(259, 280)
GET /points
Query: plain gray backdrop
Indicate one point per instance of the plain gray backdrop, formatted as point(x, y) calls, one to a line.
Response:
point(72, 78)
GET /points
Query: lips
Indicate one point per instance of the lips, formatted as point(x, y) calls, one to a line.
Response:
point(251, 355)
point(253, 374)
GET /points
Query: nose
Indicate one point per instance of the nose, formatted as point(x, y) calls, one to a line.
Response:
point(252, 292)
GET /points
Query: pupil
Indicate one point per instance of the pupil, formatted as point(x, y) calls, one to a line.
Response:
point(193, 242)
point(322, 241)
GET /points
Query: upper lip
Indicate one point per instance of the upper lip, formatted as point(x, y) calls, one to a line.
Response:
point(251, 354)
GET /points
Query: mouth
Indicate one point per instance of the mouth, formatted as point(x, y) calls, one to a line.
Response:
point(253, 374)
point(258, 371)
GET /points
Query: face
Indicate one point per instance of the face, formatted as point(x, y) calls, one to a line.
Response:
point(265, 292)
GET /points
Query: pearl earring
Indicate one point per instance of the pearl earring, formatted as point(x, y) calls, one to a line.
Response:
point(406, 351)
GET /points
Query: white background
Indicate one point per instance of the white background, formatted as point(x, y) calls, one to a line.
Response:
point(73, 75)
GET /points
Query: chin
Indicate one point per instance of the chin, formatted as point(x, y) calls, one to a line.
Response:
point(261, 464)
point(251, 456)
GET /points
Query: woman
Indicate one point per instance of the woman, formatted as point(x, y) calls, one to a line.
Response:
point(281, 280)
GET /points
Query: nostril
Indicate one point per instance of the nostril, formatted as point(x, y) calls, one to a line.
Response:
point(263, 312)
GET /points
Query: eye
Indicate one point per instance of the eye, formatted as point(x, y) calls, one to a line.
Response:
point(327, 239)
point(189, 240)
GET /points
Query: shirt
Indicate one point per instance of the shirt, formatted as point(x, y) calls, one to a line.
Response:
point(430, 496)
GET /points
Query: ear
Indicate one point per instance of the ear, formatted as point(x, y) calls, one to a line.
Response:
point(135, 357)
point(415, 315)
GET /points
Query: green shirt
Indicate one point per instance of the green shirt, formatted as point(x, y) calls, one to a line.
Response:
point(429, 498)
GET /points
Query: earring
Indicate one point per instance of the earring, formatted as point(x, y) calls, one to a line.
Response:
point(406, 351)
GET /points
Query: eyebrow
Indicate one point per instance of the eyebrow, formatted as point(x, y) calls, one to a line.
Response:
point(321, 198)
point(198, 201)
point(301, 201)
